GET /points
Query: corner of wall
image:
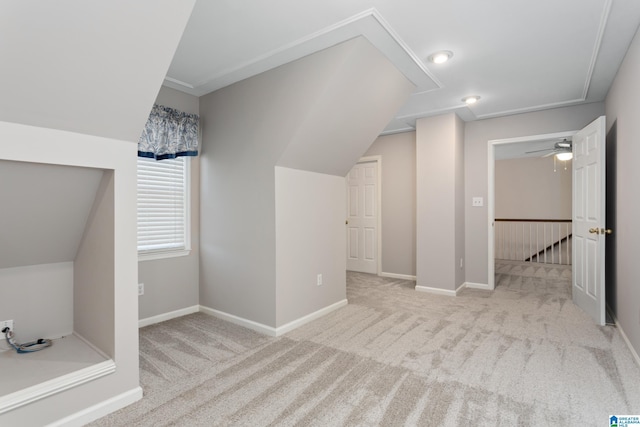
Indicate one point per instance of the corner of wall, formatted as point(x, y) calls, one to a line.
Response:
point(460, 276)
point(437, 170)
point(622, 107)
point(94, 280)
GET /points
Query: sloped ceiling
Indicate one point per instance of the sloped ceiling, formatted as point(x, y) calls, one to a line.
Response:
point(44, 211)
point(519, 56)
point(93, 67)
point(358, 98)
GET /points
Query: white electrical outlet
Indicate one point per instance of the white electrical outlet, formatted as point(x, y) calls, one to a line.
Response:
point(319, 280)
point(461, 263)
point(5, 324)
point(140, 289)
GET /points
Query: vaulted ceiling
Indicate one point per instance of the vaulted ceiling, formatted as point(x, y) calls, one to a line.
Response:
point(517, 55)
point(93, 67)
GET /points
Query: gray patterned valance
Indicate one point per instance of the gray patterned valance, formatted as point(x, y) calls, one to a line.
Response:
point(168, 134)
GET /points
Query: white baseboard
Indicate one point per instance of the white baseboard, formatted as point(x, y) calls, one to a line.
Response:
point(634, 353)
point(436, 291)
point(99, 410)
point(249, 324)
point(56, 385)
point(397, 276)
point(269, 330)
point(309, 317)
point(440, 291)
point(168, 316)
point(472, 285)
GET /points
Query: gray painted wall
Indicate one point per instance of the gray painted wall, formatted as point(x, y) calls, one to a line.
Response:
point(40, 227)
point(39, 299)
point(310, 240)
point(398, 201)
point(244, 134)
point(247, 129)
point(623, 111)
point(93, 272)
point(173, 283)
point(362, 87)
point(477, 135)
point(530, 189)
point(39, 242)
point(438, 194)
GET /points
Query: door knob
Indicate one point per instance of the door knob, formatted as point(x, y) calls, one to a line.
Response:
point(600, 231)
point(347, 222)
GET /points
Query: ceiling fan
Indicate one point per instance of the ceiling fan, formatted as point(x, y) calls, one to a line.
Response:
point(561, 149)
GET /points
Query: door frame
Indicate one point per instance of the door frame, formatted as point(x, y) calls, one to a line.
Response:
point(377, 159)
point(491, 161)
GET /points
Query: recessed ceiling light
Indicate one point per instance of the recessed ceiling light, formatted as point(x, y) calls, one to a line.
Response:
point(440, 57)
point(470, 99)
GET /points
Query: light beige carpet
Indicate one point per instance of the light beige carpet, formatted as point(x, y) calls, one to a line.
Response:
point(522, 355)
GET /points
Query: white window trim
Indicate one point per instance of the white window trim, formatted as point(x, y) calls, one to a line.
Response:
point(153, 255)
point(150, 255)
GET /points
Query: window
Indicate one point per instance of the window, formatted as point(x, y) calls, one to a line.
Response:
point(163, 208)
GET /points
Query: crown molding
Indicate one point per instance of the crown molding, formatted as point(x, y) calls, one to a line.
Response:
point(368, 24)
point(604, 18)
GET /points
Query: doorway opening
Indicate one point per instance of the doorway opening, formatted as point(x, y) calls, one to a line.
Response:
point(363, 224)
point(526, 240)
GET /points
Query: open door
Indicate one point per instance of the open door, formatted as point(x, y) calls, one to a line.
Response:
point(589, 219)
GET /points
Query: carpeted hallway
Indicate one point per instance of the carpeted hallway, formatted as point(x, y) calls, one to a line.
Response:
point(521, 355)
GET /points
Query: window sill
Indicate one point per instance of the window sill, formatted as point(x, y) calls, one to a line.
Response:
point(150, 256)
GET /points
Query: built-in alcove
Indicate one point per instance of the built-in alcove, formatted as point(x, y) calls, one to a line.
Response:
point(68, 265)
point(56, 277)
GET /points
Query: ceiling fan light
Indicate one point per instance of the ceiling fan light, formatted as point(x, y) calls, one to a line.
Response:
point(564, 156)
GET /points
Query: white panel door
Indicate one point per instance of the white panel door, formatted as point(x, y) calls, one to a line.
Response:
point(362, 218)
point(589, 219)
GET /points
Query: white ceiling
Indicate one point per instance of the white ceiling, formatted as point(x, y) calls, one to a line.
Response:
point(518, 55)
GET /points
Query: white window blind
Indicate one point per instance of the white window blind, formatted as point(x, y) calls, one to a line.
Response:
point(162, 205)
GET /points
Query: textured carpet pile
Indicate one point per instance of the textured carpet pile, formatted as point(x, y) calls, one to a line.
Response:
point(523, 355)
